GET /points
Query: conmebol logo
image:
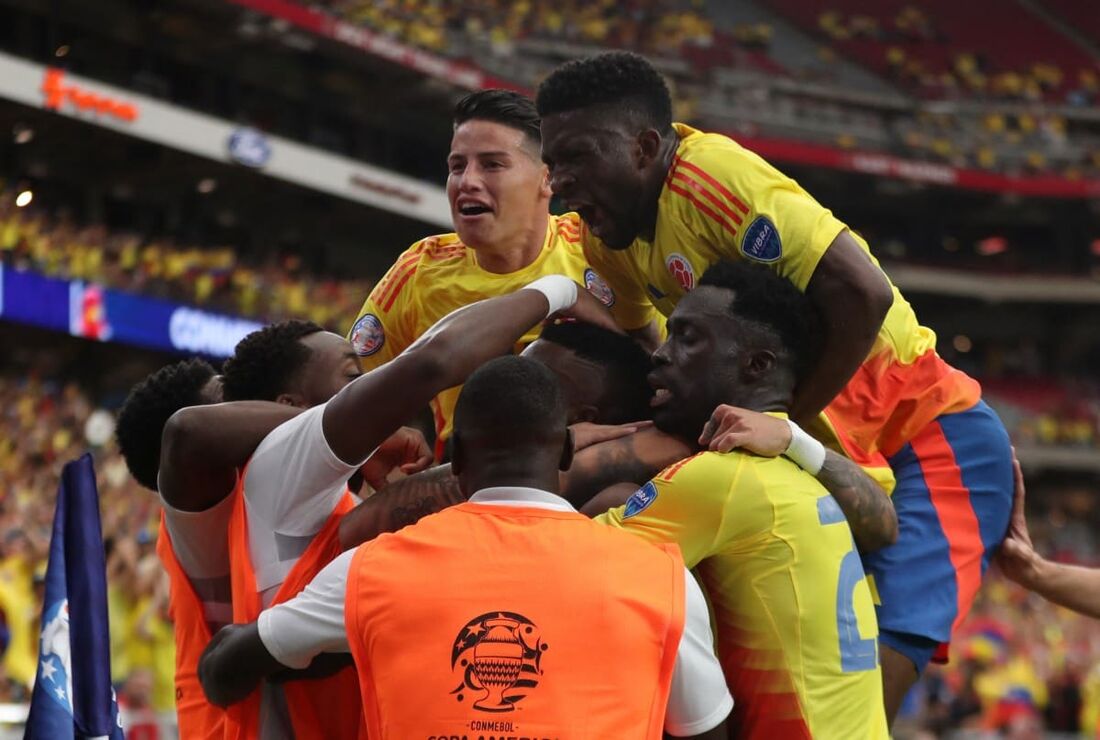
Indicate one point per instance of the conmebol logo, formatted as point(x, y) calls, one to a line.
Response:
point(191, 330)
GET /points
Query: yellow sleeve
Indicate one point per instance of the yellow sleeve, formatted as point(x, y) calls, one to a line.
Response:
point(384, 326)
point(781, 225)
point(686, 504)
point(631, 308)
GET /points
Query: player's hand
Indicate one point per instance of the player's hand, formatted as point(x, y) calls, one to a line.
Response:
point(1017, 557)
point(405, 450)
point(732, 428)
point(589, 310)
point(586, 434)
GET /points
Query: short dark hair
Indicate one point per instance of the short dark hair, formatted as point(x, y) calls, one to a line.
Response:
point(626, 362)
point(510, 401)
point(501, 106)
point(622, 78)
point(266, 361)
point(763, 297)
point(147, 409)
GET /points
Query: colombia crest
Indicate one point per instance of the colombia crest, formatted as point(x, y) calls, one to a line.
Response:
point(679, 267)
point(498, 656)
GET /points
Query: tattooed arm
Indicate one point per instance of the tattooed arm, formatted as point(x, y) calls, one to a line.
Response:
point(869, 511)
point(634, 459)
point(399, 504)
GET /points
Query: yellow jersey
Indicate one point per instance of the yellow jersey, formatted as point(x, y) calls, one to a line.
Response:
point(796, 629)
point(440, 274)
point(722, 201)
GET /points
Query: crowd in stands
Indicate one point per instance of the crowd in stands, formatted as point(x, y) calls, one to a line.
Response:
point(1019, 659)
point(213, 277)
point(1045, 412)
point(925, 51)
point(928, 49)
point(657, 27)
point(44, 424)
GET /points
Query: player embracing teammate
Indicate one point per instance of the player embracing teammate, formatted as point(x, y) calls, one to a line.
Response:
point(662, 202)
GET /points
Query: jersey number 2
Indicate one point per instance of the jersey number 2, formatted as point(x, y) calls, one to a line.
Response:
point(856, 653)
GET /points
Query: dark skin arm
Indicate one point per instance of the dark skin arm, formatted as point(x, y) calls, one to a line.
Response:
point(634, 459)
point(202, 448)
point(400, 504)
point(367, 410)
point(870, 512)
point(852, 296)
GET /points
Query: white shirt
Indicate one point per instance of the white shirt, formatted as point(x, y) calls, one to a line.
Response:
point(292, 485)
point(293, 482)
point(200, 542)
point(313, 622)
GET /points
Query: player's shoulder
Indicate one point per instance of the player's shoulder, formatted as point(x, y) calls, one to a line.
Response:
point(703, 470)
point(715, 161)
point(435, 250)
point(430, 255)
point(568, 231)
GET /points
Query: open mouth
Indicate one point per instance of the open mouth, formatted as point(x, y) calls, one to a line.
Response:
point(471, 210)
point(660, 397)
point(593, 217)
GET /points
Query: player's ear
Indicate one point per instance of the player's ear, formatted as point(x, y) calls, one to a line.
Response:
point(291, 399)
point(649, 147)
point(566, 461)
point(758, 364)
point(544, 188)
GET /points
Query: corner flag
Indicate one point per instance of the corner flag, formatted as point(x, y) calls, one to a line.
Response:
point(73, 698)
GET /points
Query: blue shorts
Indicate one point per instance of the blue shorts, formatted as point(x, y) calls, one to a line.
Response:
point(953, 499)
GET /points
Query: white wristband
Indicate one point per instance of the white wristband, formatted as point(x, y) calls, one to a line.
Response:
point(560, 291)
point(805, 451)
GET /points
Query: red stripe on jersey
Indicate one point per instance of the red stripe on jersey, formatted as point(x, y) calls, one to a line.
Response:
point(677, 162)
point(951, 500)
point(441, 253)
point(395, 277)
point(703, 207)
point(564, 224)
point(698, 188)
point(673, 469)
point(397, 289)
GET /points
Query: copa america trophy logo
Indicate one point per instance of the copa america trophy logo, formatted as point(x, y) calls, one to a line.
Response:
point(499, 655)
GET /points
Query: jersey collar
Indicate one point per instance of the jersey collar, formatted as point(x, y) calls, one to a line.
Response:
point(519, 496)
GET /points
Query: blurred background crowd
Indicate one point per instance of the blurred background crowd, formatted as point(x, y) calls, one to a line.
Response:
point(962, 139)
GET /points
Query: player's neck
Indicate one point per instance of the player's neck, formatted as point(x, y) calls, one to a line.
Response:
point(518, 253)
point(549, 482)
point(652, 194)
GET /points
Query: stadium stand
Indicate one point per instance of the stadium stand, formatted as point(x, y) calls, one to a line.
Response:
point(277, 288)
point(1083, 18)
point(45, 423)
point(943, 48)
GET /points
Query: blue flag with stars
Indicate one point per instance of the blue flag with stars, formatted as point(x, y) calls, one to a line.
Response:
point(73, 698)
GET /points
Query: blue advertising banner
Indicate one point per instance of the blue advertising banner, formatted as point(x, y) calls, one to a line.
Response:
point(93, 312)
